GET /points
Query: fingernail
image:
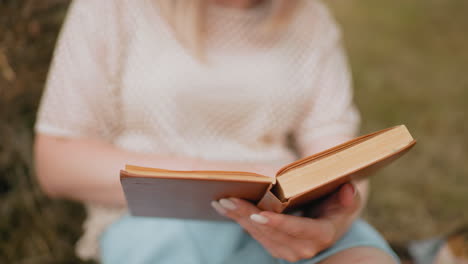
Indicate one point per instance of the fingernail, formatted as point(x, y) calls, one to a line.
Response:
point(228, 204)
point(259, 218)
point(218, 207)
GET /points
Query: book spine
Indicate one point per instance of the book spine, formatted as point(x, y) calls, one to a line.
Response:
point(270, 202)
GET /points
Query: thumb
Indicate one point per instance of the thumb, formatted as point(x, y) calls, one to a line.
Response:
point(345, 200)
point(349, 195)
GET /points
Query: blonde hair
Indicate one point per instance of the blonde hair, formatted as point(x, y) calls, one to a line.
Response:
point(186, 17)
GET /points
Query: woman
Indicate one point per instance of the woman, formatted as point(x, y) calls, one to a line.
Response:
point(212, 85)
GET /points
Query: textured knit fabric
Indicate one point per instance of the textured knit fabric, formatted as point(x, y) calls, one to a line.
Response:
point(167, 241)
point(119, 75)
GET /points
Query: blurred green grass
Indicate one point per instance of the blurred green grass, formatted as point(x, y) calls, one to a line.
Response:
point(409, 61)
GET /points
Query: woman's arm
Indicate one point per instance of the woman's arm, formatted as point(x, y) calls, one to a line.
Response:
point(87, 170)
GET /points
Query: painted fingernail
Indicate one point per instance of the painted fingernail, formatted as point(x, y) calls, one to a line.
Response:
point(228, 204)
point(259, 218)
point(218, 207)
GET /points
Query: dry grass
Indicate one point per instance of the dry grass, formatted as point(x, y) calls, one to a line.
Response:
point(33, 228)
point(409, 60)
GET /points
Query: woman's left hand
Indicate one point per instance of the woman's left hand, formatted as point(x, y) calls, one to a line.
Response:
point(293, 238)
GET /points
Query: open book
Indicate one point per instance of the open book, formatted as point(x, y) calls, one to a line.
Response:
point(188, 194)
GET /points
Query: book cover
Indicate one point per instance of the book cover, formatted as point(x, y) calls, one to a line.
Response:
point(154, 192)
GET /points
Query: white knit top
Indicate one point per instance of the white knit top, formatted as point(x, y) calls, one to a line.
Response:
point(118, 74)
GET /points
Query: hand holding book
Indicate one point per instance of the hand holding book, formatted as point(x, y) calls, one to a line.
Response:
point(290, 237)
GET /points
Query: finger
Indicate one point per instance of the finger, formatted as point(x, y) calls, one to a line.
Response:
point(345, 199)
point(347, 204)
point(342, 211)
point(240, 211)
point(238, 208)
point(310, 235)
point(278, 244)
point(234, 208)
point(348, 195)
point(296, 226)
point(283, 246)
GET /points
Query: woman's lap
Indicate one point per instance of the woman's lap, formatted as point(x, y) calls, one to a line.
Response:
point(148, 240)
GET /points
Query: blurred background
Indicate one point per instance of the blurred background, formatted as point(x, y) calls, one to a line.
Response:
point(410, 65)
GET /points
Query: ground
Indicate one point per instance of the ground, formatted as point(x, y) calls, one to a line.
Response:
point(409, 61)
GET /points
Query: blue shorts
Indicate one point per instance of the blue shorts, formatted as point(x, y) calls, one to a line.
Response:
point(169, 241)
